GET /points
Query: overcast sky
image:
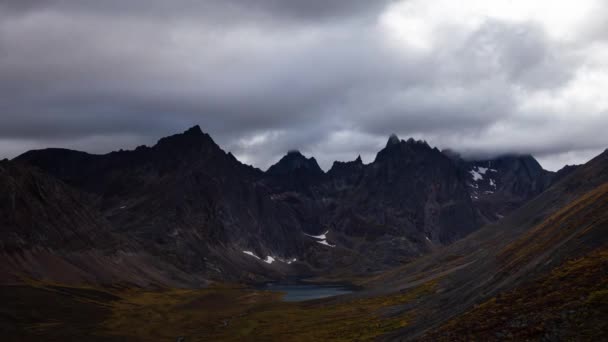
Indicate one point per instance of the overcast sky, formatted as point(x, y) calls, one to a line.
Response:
point(332, 78)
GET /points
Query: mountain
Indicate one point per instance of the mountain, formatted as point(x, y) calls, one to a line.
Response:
point(294, 163)
point(535, 274)
point(187, 203)
point(410, 199)
point(551, 279)
point(38, 210)
point(294, 172)
point(500, 185)
point(53, 232)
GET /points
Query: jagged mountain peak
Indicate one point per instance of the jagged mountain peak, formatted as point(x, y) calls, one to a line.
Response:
point(294, 153)
point(396, 149)
point(190, 137)
point(393, 140)
point(342, 168)
point(194, 130)
point(295, 161)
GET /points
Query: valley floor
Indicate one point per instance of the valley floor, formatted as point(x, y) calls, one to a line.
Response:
point(571, 301)
point(220, 313)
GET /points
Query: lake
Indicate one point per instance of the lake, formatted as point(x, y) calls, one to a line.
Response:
point(302, 292)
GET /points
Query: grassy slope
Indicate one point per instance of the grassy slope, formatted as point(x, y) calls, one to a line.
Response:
point(569, 302)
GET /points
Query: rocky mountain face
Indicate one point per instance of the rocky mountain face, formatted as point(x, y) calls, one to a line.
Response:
point(408, 200)
point(38, 210)
point(537, 274)
point(52, 231)
point(189, 204)
point(500, 185)
point(185, 201)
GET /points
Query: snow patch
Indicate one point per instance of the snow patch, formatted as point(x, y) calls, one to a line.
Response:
point(124, 206)
point(476, 175)
point(477, 172)
point(324, 242)
point(492, 183)
point(251, 253)
point(270, 259)
point(320, 237)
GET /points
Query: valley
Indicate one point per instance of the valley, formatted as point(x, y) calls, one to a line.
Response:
point(172, 242)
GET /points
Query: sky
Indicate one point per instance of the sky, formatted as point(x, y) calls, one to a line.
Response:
point(331, 78)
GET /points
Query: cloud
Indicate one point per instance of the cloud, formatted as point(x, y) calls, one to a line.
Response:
point(217, 11)
point(331, 78)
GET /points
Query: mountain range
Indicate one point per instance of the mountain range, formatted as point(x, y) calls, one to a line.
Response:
point(184, 212)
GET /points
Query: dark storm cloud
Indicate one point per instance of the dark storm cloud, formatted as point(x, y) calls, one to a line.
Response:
point(274, 10)
point(330, 78)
